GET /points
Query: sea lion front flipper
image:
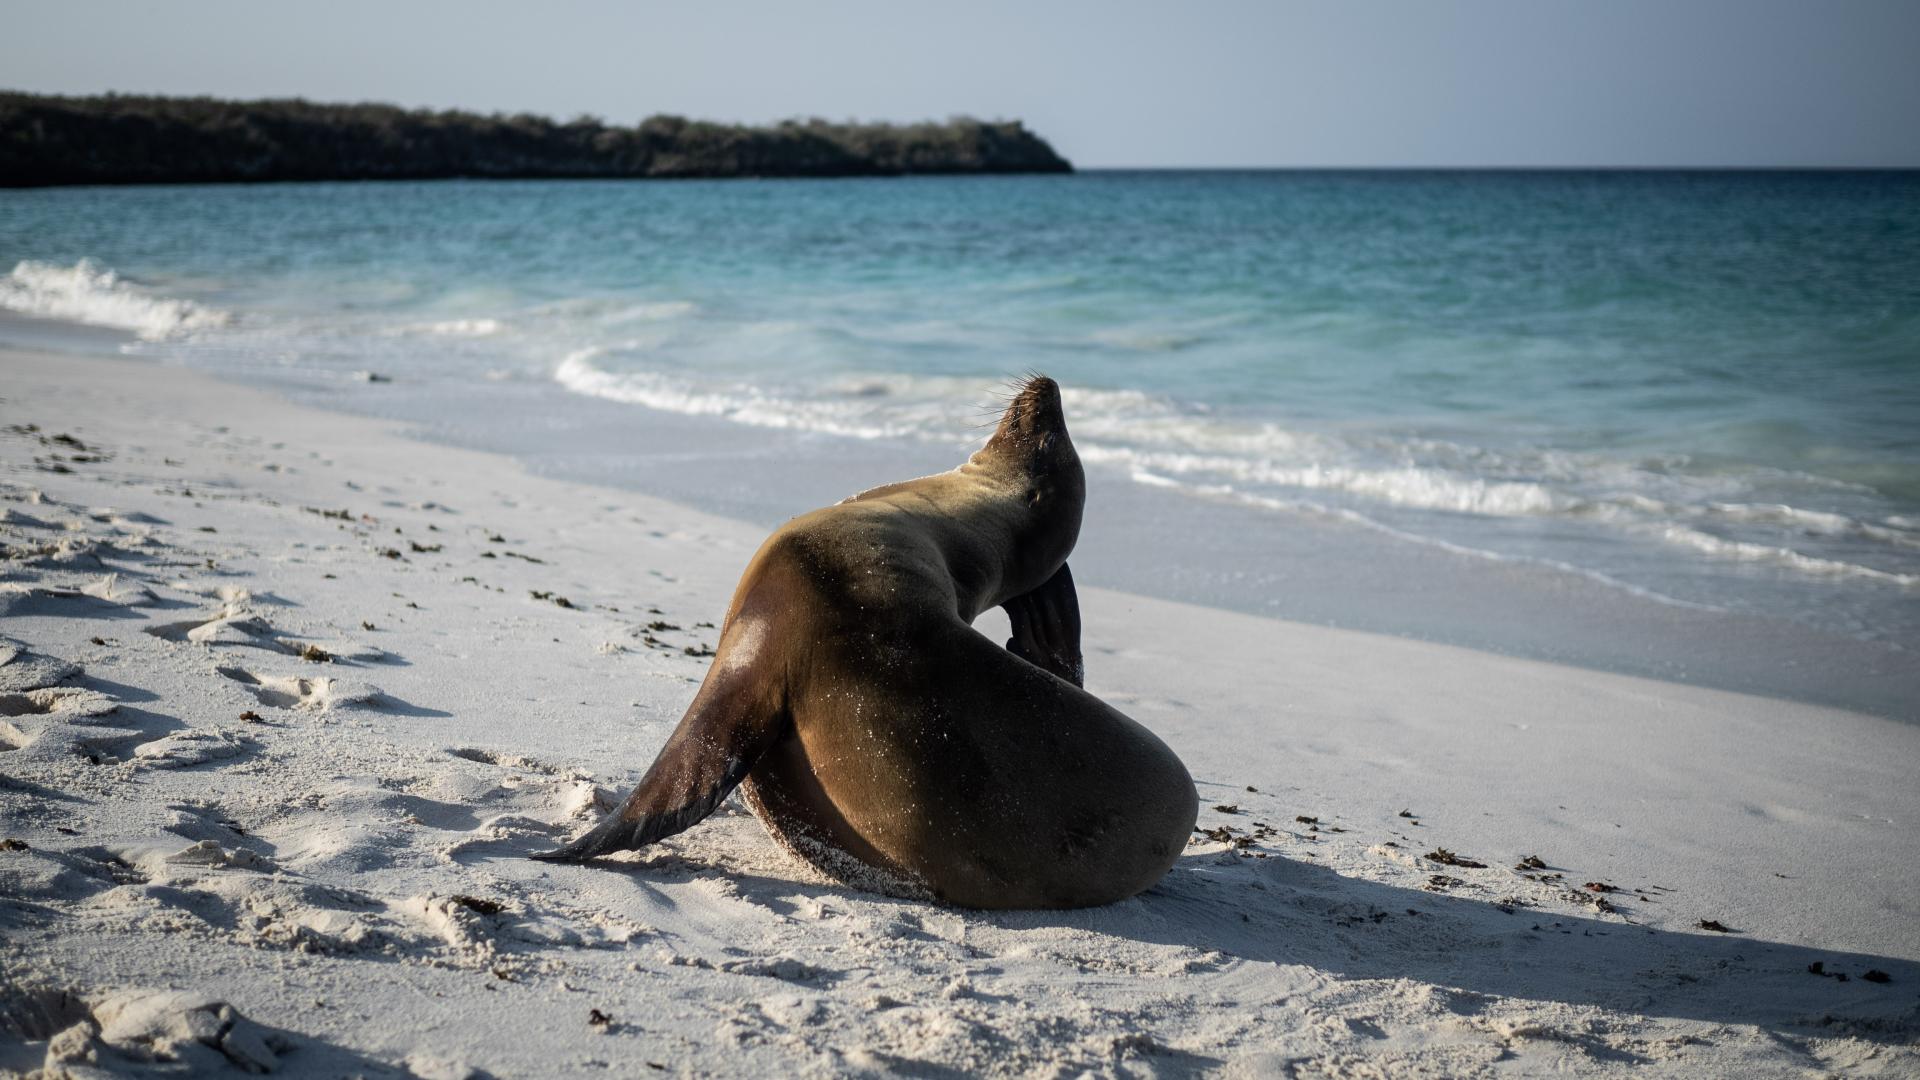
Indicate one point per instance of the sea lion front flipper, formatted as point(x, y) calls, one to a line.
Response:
point(725, 731)
point(1046, 627)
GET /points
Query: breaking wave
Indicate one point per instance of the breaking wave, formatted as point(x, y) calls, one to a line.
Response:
point(89, 293)
point(1409, 486)
point(1813, 566)
point(741, 405)
point(460, 328)
point(1159, 443)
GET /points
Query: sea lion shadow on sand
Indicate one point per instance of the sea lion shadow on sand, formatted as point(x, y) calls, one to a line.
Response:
point(1291, 912)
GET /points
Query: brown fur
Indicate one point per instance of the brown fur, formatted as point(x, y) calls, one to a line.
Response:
point(867, 718)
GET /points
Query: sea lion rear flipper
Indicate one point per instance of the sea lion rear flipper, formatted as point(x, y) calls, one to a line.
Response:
point(724, 733)
point(1046, 627)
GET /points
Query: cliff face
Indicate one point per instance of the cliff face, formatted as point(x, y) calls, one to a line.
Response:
point(147, 140)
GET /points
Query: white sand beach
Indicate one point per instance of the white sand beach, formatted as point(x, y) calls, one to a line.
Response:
point(286, 698)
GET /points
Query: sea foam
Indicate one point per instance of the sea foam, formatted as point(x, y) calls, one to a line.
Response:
point(1159, 443)
point(741, 405)
point(460, 328)
point(1745, 551)
point(89, 293)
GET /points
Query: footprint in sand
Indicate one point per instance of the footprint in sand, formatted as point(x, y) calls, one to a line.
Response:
point(64, 702)
point(230, 625)
point(66, 553)
point(236, 623)
point(23, 670)
point(194, 1031)
point(315, 694)
point(114, 589)
point(109, 516)
point(218, 841)
point(481, 931)
point(22, 600)
point(532, 803)
point(210, 855)
point(183, 749)
point(38, 877)
point(57, 722)
point(61, 721)
point(505, 761)
point(239, 896)
point(58, 743)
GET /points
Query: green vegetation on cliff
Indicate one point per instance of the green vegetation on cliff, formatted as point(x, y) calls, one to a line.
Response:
point(121, 139)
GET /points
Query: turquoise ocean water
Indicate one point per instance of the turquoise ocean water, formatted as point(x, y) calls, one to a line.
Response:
point(1697, 388)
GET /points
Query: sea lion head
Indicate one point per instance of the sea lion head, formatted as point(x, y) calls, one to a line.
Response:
point(1031, 458)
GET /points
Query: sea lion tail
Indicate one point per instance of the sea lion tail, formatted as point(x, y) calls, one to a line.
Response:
point(724, 733)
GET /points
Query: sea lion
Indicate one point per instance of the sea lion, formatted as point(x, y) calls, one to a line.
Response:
point(878, 736)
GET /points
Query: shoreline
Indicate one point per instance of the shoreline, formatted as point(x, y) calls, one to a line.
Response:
point(1357, 483)
point(1289, 565)
point(360, 843)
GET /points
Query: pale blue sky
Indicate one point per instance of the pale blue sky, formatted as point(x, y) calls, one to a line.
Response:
point(1537, 82)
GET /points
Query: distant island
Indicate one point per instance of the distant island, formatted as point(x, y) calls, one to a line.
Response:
point(127, 139)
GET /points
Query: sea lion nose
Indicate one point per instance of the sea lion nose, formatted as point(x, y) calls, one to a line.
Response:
point(1041, 390)
point(1040, 402)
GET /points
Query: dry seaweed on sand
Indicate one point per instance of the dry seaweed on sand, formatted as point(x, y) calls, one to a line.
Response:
point(1227, 834)
point(1448, 858)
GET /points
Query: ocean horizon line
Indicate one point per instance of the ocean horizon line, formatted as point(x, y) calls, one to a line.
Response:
point(1715, 169)
point(1081, 171)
